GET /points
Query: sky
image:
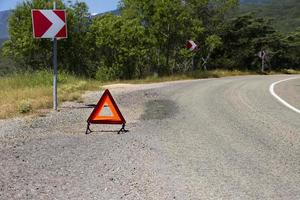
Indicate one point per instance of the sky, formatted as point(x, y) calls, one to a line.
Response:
point(96, 6)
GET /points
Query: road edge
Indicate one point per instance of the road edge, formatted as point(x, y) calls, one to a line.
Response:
point(271, 89)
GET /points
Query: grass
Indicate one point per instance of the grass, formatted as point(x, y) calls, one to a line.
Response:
point(30, 92)
point(290, 71)
point(191, 75)
point(27, 93)
point(151, 79)
point(218, 73)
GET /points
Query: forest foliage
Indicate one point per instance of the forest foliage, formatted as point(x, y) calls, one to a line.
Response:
point(149, 37)
point(285, 15)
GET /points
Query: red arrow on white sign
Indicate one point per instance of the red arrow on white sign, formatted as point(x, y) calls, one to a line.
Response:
point(191, 45)
point(49, 23)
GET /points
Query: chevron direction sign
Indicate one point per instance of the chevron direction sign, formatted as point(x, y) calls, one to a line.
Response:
point(49, 23)
point(191, 45)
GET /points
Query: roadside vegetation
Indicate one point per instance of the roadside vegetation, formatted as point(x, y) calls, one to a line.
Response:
point(28, 92)
point(31, 93)
point(149, 37)
point(143, 43)
point(285, 14)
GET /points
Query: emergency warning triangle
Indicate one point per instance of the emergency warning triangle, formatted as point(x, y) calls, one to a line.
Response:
point(106, 111)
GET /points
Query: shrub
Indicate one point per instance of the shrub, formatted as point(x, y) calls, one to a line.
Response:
point(105, 74)
point(25, 107)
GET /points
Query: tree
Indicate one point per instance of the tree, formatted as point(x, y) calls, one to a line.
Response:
point(35, 54)
point(242, 39)
point(76, 52)
point(21, 47)
point(169, 24)
point(285, 14)
point(212, 42)
point(120, 47)
point(149, 37)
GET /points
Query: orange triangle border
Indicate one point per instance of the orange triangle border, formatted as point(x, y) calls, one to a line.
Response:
point(96, 110)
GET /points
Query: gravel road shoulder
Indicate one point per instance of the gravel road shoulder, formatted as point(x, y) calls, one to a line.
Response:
point(204, 139)
point(50, 157)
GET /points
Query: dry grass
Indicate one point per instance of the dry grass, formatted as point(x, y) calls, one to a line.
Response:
point(224, 73)
point(219, 73)
point(191, 75)
point(27, 93)
point(153, 79)
point(290, 71)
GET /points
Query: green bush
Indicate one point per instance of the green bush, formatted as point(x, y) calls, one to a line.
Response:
point(25, 107)
point(7, 66)
point(105, 74)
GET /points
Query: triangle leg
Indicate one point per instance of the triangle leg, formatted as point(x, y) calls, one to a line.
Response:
point(88, 130)
point(123, 130)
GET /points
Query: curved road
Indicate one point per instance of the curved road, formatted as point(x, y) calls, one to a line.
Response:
point(232, 140)
point(225, 138)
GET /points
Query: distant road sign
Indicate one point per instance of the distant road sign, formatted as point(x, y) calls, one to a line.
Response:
point(261, 54)
point(191, 45)
point(49, 23)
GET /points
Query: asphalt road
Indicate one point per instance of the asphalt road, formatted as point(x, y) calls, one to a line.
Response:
point(225, 138)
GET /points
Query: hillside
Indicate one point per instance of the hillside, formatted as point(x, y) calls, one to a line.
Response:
point(114, 12)
point(2, 41)
point(285, 14)
point(3, 23)
point(253, 1)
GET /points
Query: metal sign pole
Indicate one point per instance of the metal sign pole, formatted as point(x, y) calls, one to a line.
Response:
point(262, 65)
point(55, 100)
point(263, 56)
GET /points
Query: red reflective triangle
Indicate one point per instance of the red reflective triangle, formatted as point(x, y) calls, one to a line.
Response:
point(106, 111)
